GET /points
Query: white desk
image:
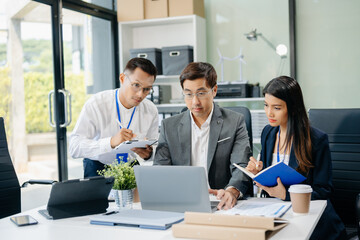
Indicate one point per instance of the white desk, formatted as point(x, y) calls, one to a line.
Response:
point(300, 227)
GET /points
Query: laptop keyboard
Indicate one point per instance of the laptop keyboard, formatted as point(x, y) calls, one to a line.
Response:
point(45, 213)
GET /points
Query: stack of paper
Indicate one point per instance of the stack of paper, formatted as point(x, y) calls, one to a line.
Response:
point(274, 209)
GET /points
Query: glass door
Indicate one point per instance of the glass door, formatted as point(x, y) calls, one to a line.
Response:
point(51, 60)
point(88, 65)
point(26, 78)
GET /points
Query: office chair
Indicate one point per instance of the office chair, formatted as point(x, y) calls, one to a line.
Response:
point(343, 129)
point(10, 195)
point(247, 115)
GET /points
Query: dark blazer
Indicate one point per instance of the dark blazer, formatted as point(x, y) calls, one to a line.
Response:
point(330, 225)
point(319, 177)
point(174, 147)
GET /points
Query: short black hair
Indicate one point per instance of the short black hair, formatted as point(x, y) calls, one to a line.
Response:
point(196, 70)
point(142, 63)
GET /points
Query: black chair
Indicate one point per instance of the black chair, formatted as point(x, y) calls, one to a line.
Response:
point(10, 194)
point(9, 184)
point(247, 115)
point(343, 129)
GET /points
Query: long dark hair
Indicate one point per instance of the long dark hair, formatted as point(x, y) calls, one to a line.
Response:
point(298, 126)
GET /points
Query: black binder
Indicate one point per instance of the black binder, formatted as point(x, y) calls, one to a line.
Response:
point(79, 197)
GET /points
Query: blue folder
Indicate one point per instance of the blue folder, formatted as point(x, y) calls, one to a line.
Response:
point(268, 177)
point(149, 219)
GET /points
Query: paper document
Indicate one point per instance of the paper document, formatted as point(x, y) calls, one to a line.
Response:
point(259, 208)
point(125, 147)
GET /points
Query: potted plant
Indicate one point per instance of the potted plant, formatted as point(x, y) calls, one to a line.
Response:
point(124, 182)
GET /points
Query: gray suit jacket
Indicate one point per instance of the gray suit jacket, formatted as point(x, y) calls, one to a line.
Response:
point(174, 147)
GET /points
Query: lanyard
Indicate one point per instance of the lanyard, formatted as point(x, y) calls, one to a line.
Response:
point(278, 156)
point(118, 109)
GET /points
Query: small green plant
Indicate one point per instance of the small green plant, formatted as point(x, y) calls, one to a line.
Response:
point(123, 174)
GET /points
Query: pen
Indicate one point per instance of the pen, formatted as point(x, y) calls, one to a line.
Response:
point(257, 160)
point(112, 212)
point(223, 139)
point(117, 120)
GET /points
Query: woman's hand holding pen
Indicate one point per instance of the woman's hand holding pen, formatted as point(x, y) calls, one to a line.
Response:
point(123, 135)
point(254, 166)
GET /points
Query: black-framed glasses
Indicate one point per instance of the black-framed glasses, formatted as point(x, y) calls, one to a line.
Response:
point(136, 87)
point(200, 94)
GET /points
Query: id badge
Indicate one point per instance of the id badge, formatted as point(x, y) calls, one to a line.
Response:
point(122, 157)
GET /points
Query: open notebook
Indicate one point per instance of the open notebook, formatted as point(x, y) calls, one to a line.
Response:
point(268, 176)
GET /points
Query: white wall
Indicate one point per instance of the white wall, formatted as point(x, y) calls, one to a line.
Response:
point(228, 20)
point(328, 52)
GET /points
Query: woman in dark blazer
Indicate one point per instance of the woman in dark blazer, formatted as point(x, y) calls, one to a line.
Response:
point(290, 138)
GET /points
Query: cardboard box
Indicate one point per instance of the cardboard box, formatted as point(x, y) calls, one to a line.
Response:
point(220, 226)
point(156, 9)
point(130, 10)
point(186, 7)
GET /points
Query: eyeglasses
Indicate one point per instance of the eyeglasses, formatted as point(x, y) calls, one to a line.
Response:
point(136, 87)
point(200, 95)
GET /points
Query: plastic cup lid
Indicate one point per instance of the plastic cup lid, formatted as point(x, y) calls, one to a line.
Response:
point(300, 188)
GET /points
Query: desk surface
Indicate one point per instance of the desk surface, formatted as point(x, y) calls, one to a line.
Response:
point(299, 227)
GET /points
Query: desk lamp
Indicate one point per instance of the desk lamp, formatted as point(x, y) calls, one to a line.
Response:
point(280, 50)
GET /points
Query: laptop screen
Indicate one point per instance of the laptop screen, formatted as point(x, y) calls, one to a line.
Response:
point(173, 188)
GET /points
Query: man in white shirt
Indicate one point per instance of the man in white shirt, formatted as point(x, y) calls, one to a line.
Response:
point(207, 136)
point(113, 116)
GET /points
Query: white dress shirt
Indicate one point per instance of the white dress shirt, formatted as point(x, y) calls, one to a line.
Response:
point(200, 142)
point(97, 124)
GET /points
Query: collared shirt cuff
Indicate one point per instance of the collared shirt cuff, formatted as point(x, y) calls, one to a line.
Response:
point(105, 145)
point(240, 193)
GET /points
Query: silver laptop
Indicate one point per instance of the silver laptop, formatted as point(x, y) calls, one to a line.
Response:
point(173, 188)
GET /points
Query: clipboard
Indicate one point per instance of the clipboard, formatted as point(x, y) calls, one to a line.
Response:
point(125, 147)
point(135, 143)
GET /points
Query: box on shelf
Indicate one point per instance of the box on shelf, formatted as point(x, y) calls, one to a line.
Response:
point(152, 54)
point(176, 58)
point(156, 9)
point(186, 7)
point(130, 10)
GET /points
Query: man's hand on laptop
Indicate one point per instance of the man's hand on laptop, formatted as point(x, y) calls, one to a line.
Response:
point(228, 197)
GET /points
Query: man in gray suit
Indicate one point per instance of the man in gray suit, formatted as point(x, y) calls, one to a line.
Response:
point(208, 136)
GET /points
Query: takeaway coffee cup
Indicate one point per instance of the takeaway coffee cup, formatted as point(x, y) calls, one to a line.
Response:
point(300, 195)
